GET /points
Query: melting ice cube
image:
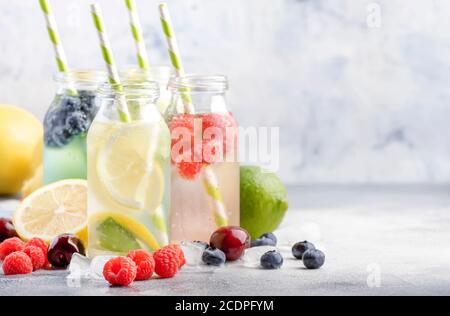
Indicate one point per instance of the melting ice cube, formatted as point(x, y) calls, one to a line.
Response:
point(79, 266)
point(192, 253)
point(97, 264)
point(252, 256)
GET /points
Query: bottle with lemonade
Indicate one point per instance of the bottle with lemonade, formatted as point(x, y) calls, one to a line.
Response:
point(205, 168)
point(128, 172)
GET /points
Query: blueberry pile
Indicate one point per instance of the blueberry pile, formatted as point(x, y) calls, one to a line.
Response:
point(72, 116)
point(311, 257)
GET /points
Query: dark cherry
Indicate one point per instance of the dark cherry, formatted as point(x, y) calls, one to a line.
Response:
point(7, 229)
point(62, 248)
point(232, 240)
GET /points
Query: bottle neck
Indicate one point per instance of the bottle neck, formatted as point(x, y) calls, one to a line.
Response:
point(72, 81)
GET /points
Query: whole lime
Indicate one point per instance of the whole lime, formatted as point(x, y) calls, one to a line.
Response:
point(263, 200)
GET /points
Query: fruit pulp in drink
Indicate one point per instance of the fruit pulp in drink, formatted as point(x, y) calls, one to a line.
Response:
point(193, 204)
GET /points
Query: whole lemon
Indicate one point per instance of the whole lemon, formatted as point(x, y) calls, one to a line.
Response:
point(21, 137)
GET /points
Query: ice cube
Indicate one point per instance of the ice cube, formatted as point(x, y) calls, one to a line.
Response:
point(79, 267)
point(192, 253)
point(97, 264)
point(289, 235)
point(252, 256)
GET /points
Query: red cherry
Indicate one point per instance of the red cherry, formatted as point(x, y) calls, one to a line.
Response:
point(62, 248)
point(6, 229)
point(232, 240)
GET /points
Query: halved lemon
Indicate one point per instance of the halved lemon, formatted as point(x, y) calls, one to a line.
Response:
point(127, 167)
point(52, 210)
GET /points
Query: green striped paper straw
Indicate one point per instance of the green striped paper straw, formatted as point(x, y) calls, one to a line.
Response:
point(210, 180)
point(53, 34)
point(113, 74)
point(157, 216)
point(174, 53)
point(136, 31)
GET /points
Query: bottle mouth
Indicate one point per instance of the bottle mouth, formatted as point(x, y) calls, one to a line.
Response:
point(199, 83)
point(131, 90)
point(159, 73)
point(81, 77)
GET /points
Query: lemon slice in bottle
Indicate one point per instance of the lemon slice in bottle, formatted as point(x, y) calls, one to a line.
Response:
point(127, 167)
point(52, 210)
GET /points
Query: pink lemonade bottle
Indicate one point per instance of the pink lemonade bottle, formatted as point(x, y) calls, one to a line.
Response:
point(205, 168)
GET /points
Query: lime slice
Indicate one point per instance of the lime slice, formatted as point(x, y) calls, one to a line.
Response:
point(127, 167)
point(114, 237)
point(121, 233)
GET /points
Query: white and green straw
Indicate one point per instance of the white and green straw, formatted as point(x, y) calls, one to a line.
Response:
point(113, 74)
point(157, 216)
point(174, 53)
point(53, 34)
point(136, 31)
point(210, 179)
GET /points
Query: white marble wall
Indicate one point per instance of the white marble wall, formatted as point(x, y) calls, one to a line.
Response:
point(358, 88)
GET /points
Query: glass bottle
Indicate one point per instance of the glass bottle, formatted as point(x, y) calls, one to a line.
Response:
point(159, 73)
point(205, 169)
point(66, 124)
point(128, 172)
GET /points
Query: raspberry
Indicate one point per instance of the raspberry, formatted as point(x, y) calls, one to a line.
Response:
point(181, 259)
point(166, 262)
point(17, 263)
point(182, 120)
point(144, 262)
point(189, 170)
point(40, 243)
point(36, 255)
point(226, 123)
point(120, 271)
point(10, 245)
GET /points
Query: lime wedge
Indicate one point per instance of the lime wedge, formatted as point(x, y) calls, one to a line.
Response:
point(114, 237)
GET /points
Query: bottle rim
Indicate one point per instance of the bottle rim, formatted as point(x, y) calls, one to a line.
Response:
point(199, 83)
point(81, 76)
point(131, 90)
point(159, 73)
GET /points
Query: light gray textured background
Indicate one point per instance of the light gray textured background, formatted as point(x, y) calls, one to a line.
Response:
point(356, 100)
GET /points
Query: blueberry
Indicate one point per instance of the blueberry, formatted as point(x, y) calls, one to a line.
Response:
point(213, 256)
point(71, 103)
point(56, 116)
point(201, 243)
point(57, 137)
point(313, 258)
point(88, 105)
point(77, 122)
point(263, 241)
point(272, 260)
point(270, 236)
point(299, 248)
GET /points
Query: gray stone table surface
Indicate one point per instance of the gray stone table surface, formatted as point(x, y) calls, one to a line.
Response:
point(378, 240)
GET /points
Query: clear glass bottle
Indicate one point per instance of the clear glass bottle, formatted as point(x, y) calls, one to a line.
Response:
point(128, 172)
point(66, 124)
point(159, 73)
point(205, 170)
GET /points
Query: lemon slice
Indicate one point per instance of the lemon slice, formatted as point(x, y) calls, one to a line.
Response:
point(128, 226)
point(52, 210)
point(127, 169)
